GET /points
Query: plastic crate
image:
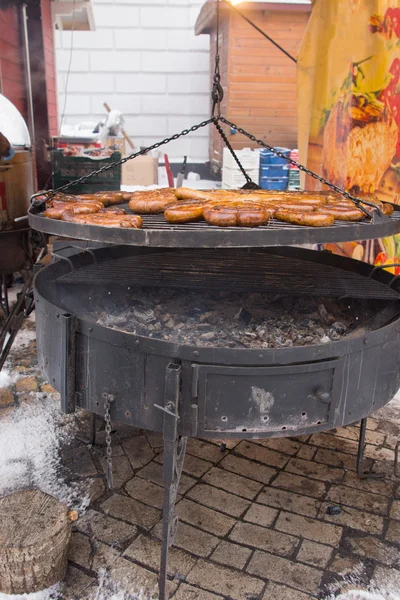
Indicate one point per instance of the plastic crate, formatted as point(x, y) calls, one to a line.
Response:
point(68, 168)
point(274, 171)
point(269, 158)
point(274, 183)
point(249, 159)
point(234, 178)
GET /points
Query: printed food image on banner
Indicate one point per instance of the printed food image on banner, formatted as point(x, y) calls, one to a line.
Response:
point(349, 107)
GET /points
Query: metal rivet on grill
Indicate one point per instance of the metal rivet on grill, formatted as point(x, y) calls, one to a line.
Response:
point(195, 353)
point(58, 315)
point(137, 342)
point(224, 419)
point(260, 356)
point(90, 329)
point(365, 341)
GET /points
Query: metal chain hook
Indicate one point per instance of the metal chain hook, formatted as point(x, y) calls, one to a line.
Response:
point(108, 399)
point(217, 93)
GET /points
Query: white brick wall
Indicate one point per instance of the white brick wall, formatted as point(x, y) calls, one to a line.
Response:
point(144, 60)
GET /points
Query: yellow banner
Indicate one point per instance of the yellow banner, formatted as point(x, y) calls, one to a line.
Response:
point(349, 106)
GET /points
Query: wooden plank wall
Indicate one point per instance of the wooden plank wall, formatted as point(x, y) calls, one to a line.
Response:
point(261, 80)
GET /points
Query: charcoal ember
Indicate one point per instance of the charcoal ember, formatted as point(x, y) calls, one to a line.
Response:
point(244, 316)
point(145, 316)
point(325, 316)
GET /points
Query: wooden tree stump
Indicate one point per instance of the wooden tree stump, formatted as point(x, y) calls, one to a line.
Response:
point(35, 530)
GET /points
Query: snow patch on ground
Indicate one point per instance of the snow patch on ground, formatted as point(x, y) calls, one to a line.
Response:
point(7, 378)
point(30, 441)
point(111, 590)
point(350, 588)
point(49, 594)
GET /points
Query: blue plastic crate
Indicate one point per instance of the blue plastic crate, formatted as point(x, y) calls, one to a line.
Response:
point(274, 183)
point(274, 171)
point(269, 158)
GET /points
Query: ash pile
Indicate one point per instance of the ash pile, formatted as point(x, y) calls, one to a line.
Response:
point(236, 320)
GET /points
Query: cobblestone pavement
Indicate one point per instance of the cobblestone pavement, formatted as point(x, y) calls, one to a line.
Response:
point(254, 518)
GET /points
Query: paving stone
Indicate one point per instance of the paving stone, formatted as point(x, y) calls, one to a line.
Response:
point(307, 452)
point(380, 454)
point(284, 444)
point(231, 555)
point(302, 577)
point(339, 459)
point(314, 554)
point(154, 472)
point(261, 515)
point(352, 497)
point(27, 384)
point(121, 468)
point(244, 467)
point(79, 461)
point(334, 442)
point(192, 465)
point(289, 501)
point(390, 578)
point(6, 397)
point(145, 491)
point(265, 539)
point(309, 529)
point(128, 509)
point(155, 440)
point(191, 539)
point(6, 412)
point(133, 577)
point(375, 486)
point(188, 592)
point(205, 450)
point(393, 532)
point(370, 547)
point(353, 433)
point(295, 483)
point(345, 565)
point(275, 591)
point(76, 582)
point(204, 518)
point(105, 529)
point(96, 489)
point(48, 389)
point(261, 454)
point(395, 510)
point(224, 581)
point(230, 482)
point(147, 551)
point(316, 471)
point(354, 518)
point(80, 550)
point(230, 444)
point(139, 451)
point(104, 556)
point(218, 499)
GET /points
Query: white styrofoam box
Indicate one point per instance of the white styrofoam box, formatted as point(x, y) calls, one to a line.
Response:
point(90, 82)
point(165, 17)
point(170, 105)
point(141, 39)
point(128, 104)
point(250, 159)
point(116, 16)
point(234, 178)
point(75, 105)
point(79, 60)
point(109, 62)
point(141, 83)
point(87, 40)
point(147, 126)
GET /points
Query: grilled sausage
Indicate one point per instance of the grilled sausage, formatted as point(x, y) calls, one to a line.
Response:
point(342, 214)
point(236, 214)
point(111, 220)
point(114, 210)
point(314, 219)
point(152, 202)
point(184, 212)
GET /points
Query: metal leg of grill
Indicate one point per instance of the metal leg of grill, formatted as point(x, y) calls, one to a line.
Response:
point(174, 456)
point(361, 454)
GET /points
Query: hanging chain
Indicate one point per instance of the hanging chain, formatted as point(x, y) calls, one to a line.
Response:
point(50, 193)
point(332, 186)
point(250, 183)
point(108, 399)
point(217, 93)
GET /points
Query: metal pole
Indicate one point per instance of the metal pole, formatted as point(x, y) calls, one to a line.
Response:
point(28, 74)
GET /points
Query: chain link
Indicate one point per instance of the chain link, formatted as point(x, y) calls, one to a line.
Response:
point(301, 167)
point(108, 399)
point(50, 193)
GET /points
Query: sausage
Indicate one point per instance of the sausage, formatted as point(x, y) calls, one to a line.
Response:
point(236, 214)
point(303, 208)
point(342, 214)
point(80, 208)
point(184, 212)
point(55, 212)
point(183, 193)
point(114, 210)
point(151, 202)
point(315, 219)
point(102, 220)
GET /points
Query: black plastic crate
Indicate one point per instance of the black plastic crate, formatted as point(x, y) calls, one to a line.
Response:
point(68, 168)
